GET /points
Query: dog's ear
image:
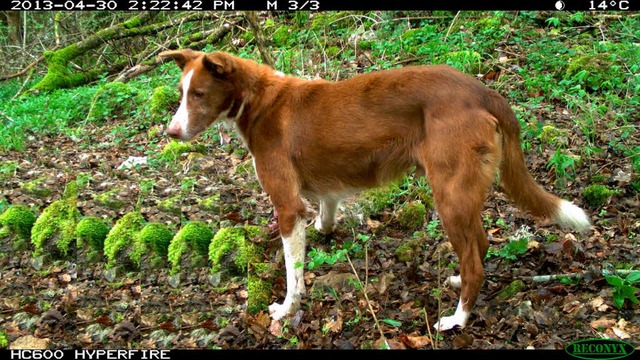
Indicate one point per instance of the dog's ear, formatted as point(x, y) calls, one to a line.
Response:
point(218, 64)
point(181, 57)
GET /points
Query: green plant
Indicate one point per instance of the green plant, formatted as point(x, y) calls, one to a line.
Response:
point(517, 245)
point(318, 257)
point(564, 165)
point(623, 288)
point(412, 215)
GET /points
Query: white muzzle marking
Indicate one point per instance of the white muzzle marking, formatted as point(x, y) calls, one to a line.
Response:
point(180, 122)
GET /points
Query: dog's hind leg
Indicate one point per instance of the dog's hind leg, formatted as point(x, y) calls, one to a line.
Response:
point(326, 220)
point(460, 176)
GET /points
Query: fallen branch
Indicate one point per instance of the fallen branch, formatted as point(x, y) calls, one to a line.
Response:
point(545, 278)
point(196, 42)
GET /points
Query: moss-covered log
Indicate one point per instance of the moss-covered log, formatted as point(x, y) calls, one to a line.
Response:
point(61, 75)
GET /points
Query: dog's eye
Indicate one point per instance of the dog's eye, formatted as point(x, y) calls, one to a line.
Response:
point(198, 94)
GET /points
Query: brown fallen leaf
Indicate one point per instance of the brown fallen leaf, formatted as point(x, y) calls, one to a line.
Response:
point(416, 342)
point(602, 323)
point(462, 340)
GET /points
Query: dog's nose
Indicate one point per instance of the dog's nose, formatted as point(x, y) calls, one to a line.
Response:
point(173, 131)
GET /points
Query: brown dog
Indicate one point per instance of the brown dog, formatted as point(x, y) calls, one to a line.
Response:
point(327, 140)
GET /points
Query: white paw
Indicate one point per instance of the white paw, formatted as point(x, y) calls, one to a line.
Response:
point(448, 323)
point(454, 281)
point(323, 228)
point(278, 311)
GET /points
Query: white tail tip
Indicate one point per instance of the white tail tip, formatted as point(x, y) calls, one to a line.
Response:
point(572, 216)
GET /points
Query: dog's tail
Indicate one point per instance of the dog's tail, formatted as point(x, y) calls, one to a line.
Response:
point(520, 185)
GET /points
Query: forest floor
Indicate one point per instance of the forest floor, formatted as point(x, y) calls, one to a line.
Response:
point(74, 304)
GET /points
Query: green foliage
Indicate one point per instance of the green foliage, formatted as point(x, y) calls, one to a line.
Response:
point(516, 246)
point(623, 288)
point(163, 100)
point(8, 169)
point(564, 165)
point(122, 245)
point(92, 230)
point(18, 220)
point(156, 236)
point(598, 195)
point(114, 100)
point(318, 257)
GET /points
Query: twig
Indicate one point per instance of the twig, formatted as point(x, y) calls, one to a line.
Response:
point(426, 319)
point(451, 25)
point(7, 117)
point(366, 297)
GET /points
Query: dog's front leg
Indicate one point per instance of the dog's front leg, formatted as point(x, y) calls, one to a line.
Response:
point(294, 252)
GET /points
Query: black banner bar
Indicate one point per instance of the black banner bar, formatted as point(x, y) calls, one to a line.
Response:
point(315, 5)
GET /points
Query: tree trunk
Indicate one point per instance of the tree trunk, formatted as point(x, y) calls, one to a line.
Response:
point(15, 27)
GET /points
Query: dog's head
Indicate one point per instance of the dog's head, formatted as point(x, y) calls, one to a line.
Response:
point(206, 93)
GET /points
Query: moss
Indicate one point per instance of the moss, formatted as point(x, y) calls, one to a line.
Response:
point(122, 245)
point(134, 22)
point(597, 195)
point(412, 215)
point(157, 237)
point(58, 70)
point(108, 199)
point(332, 51)
point(172, 205)
point(163, 98)
point(339, 19)
point(93, 231)
point(54, 230)
point(259, 285)
point(36, 188)
point(211, 203)
point(410, 249)
point(195, 236)
point(18, 219)
point(365, 45)
point(374, 201)
point(553, 136)
point(173, 150)
point(465, 60)
point(508, 292)
point(234, 248)
point(4, 342)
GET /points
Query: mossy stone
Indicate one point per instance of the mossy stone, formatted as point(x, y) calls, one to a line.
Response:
point(192, 239)
point(18, 220)
point(109, 199)
point(510, 290)
point(412, 215)
point(234, 248)
point(54, 230)
point(122, 245)
point(92, 230)
point(157, 237)
point(598, 194)
point(553, 136)
point(410, 249)
point(36, 188)
point(259, 284)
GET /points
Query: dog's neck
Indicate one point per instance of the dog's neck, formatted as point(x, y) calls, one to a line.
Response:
point(255, 92)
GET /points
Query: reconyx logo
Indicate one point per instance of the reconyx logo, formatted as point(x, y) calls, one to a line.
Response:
point(599, 349)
